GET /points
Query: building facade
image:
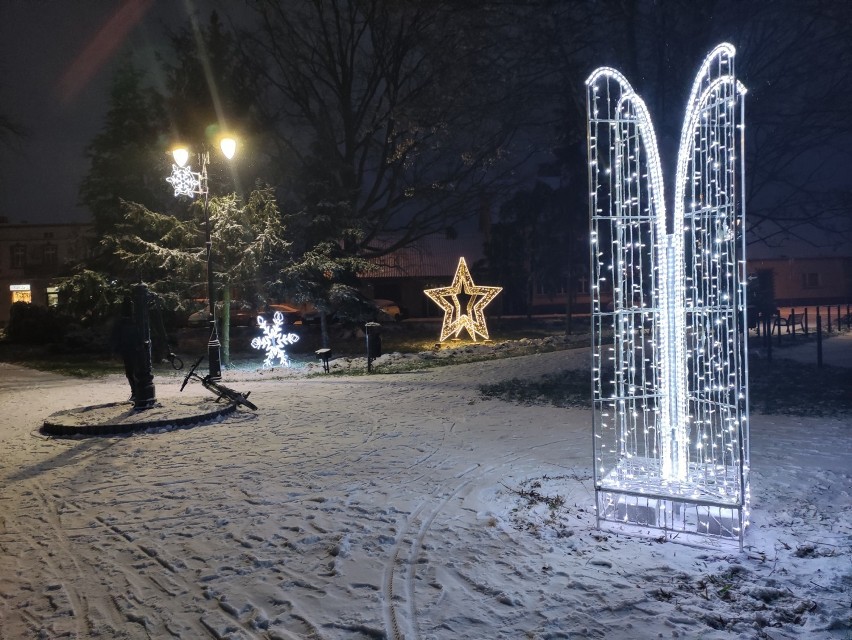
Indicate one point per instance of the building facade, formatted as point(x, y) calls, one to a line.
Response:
point(807, 281)
point(32, 256)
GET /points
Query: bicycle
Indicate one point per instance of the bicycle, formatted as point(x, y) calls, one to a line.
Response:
point(223, 392)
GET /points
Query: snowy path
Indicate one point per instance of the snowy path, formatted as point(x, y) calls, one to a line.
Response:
point(836, 350)
point(385, 506)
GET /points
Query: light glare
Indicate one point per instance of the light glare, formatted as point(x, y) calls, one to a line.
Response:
point(181, 155)
point(228, 146)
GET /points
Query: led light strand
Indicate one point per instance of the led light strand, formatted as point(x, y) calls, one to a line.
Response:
point(458, 317)
point(669, 364)
point(185, 181)
point(274, 341)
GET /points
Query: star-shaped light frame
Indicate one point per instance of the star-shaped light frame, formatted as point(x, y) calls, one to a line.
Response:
point(471, 317)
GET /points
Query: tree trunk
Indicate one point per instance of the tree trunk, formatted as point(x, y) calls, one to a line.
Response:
point(324, 329)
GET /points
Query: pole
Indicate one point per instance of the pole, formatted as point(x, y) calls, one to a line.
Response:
point(214, 357)
point(819, 340)
point(185, 183)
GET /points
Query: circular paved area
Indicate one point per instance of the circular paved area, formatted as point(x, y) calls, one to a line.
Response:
point(121, 417)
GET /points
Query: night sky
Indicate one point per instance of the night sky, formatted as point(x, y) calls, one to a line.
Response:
point(57, 60)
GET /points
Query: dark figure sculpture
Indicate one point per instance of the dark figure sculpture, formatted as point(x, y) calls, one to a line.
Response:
point(144, 396)
point(132, 340)
point(124, 342)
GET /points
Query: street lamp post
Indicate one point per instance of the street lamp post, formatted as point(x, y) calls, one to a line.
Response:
point(187, 182)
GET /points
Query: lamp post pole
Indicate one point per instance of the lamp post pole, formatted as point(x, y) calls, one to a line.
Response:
point(214, 352)
point(189, 183)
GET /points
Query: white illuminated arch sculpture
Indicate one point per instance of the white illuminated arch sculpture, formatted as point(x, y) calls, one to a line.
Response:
point(669, 378)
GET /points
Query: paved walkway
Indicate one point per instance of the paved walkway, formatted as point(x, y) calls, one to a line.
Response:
point(836, 350)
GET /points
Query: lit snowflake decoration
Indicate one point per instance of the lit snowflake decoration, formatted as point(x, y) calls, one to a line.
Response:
point(274, 341)
point(185, 181)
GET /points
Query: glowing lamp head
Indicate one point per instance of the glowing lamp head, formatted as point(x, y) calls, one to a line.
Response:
point(228, 146)
point(181, 155)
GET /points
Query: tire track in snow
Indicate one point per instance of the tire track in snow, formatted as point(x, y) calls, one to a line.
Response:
point(408, 567)
point(42, 533)
point(74, 567)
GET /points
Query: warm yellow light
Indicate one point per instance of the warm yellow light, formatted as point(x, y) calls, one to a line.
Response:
point(228, 147)
point(471, 317)
point(181, 155)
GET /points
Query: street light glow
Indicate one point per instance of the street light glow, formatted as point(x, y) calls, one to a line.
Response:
point(228, 147)
point(181, 155)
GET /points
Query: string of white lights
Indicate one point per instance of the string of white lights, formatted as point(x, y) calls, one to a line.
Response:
point(668, 308)
point(274, 341)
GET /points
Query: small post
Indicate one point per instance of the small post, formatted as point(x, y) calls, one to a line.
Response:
point(767, 336)
point(839, 320)
point(792, 321)
point(806, 321)
point(324, 355)
point(374, 343)
point(819, 340)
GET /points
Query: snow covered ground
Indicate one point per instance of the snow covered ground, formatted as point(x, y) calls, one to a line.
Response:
point(392, 506)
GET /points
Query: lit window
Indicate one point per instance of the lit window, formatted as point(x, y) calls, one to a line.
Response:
point(20, 293)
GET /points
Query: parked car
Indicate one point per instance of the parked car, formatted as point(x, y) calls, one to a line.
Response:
point(242, 315)
point(388, 310)
point(292, 315)
point(356, 310)
point(310, 314)
point(245, 315)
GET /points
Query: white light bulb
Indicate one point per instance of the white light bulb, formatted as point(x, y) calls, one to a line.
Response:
point(228, 147)
point(181, 155)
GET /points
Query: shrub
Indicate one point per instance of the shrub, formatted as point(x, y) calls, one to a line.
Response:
point(33, 324)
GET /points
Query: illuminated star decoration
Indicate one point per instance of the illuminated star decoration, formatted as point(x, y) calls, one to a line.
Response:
point(274, 341)
point(457, 314)
point(185, 181)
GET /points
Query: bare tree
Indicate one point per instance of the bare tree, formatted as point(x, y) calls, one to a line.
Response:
point(795, 58)
point(797, 65)
point(405, 112)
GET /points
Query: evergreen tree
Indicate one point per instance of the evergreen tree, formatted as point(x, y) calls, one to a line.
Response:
point(247, 241)
point(88, 297)
point(126, 158)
